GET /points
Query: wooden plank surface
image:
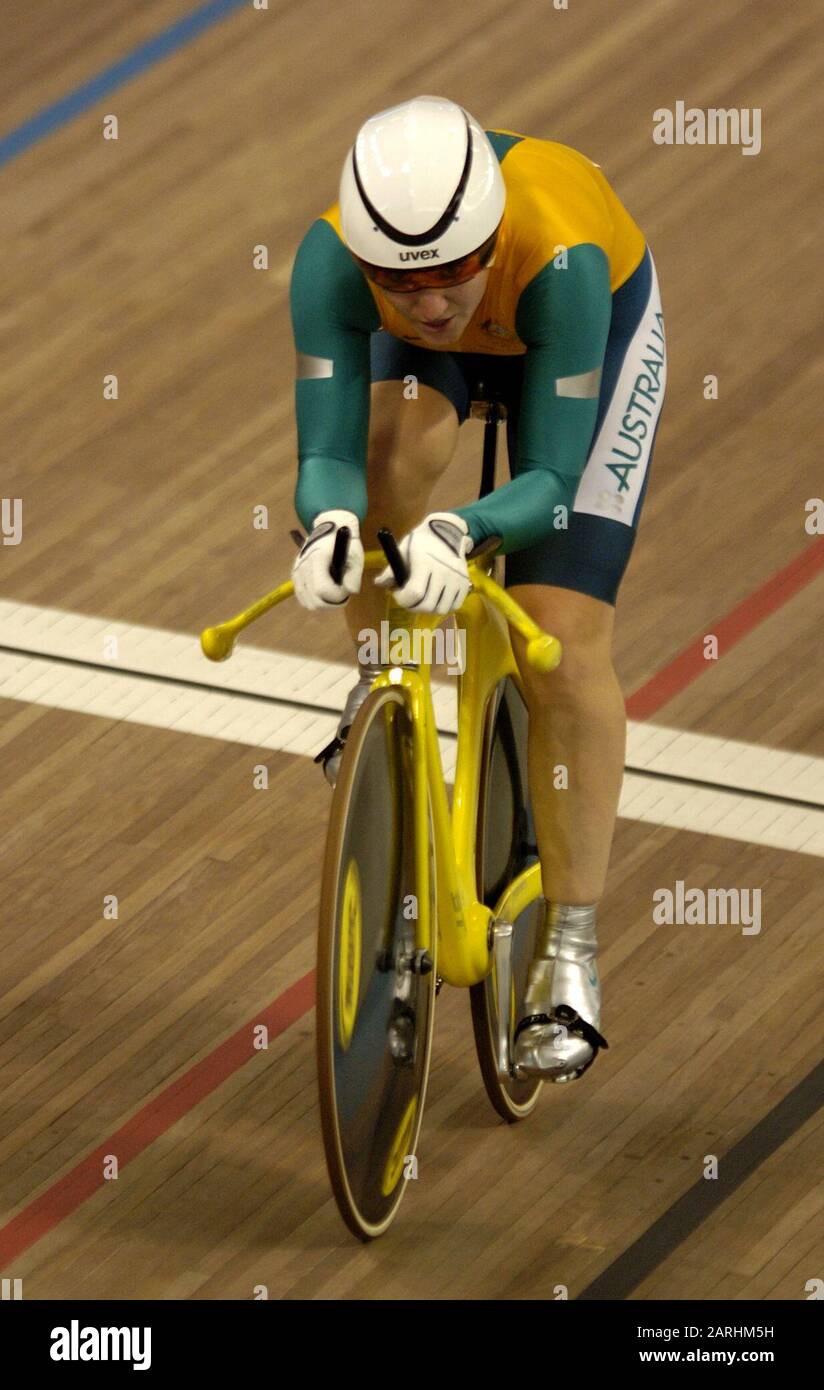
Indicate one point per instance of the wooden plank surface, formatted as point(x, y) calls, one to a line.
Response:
point(135, 257)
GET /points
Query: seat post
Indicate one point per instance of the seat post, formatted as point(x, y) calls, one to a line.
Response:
point(490, 449)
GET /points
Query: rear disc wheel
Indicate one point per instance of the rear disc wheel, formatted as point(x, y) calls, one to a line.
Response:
point(506, 846)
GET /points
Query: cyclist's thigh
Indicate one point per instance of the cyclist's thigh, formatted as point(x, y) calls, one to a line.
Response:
point(410, 368)
point(419, 400)
point(590, 556)
point(417, 437)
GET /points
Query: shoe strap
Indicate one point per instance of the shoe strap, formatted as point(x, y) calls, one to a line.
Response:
point(566, 1017)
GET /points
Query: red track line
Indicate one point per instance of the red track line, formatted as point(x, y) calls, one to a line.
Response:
point(152, 1120)
point(691, 662)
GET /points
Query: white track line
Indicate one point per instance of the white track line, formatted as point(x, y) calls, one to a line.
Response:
point(152, 651)
point(292, 718)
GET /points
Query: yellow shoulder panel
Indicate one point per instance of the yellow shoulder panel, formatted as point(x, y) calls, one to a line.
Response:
point(557, 197)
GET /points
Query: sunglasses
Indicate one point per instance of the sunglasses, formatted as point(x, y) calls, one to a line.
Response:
point(433, 277)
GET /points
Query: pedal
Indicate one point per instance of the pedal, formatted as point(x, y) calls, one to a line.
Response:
point(330, 756)
point(565, 1022)
point(329, 750)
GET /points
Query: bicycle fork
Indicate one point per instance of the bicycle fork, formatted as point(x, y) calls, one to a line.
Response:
point(502, 955)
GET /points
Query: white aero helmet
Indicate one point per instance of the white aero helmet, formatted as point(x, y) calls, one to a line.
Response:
point(421, 189)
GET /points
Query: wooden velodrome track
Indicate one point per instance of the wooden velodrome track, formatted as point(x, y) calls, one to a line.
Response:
point(131, 1037)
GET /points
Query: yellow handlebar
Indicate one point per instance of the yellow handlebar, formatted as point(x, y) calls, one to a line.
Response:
point(218, 642)
point(543, 652)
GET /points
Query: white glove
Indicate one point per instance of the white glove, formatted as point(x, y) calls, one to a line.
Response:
point(435, 553)
point(314, 585)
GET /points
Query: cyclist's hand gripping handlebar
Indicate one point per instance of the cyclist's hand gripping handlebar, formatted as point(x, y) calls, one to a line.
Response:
point(543, 651)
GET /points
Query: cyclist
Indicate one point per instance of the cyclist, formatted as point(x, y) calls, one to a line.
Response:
point(455, 255)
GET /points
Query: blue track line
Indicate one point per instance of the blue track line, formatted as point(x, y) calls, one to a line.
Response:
point(74, 103)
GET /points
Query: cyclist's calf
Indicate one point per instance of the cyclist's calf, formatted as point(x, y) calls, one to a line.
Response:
point(577, 733)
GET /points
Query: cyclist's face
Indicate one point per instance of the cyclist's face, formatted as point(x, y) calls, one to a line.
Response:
point(441, 315)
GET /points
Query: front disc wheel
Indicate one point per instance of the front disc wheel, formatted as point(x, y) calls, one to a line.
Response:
point(376, 968)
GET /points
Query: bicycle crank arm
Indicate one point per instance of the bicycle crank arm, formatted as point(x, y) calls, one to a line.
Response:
point(502, 956)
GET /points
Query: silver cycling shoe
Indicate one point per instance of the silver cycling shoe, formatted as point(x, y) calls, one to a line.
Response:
point(558, 1036)
point(331, 755)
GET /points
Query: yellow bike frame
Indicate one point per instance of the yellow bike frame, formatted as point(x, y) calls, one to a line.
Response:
point(463, 922)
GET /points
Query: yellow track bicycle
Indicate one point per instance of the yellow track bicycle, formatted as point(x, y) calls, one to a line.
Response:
point(416, 892)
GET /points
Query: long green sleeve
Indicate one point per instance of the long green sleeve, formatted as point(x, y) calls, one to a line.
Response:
point(563, 317)
point(333, 314)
